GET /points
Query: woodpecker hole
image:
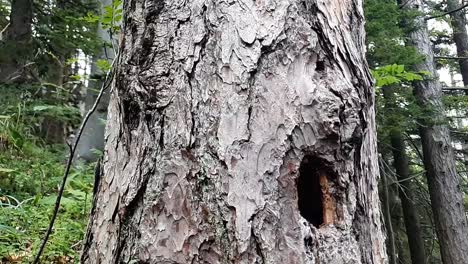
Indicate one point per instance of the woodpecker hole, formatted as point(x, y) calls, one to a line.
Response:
point(320, 66)
point(315, 199)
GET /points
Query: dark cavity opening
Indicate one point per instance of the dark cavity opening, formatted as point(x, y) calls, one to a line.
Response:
point(309, 190)
point(131, 111)
point(320, 66)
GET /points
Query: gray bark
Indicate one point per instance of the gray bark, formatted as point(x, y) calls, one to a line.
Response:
point(460, 37)
point(93, 135)
point(225, 116)
point(439, 159)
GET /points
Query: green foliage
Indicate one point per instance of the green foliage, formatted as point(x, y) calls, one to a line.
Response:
point(458, 102)
point(61, 27)
point(112, 16)
point(398, 114)
point(4, 13)
point(31, 167)
point(386, 36)
point(23, 222)
point(103, 65)
point(396, 74)
point(30, 171)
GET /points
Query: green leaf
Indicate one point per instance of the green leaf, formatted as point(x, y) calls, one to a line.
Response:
point(426, 73)
point(117, 3)
point(71, 60)
point(8, 229)
point(7, 170)
point(76, 77)
point(90, 18)
point(103, 65)
point(394, 74)
point(51, 200)
point(18, 139)
point(118, 18)
point(39, 108)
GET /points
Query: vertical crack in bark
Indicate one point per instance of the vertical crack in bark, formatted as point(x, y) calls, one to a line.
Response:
point(161, 134)
point(257, 245)
point(191, 76)
point(153, 9)
point(251, 86)
point(116, 210)
point(127, 213)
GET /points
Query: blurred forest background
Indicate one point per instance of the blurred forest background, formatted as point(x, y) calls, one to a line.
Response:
point(54, 55)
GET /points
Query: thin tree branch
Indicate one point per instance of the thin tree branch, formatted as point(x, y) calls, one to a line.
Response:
point(448, 12)
point(405, 3)
point(449, 58)
point(455, 88)
point(410, 140)
point(105, 85)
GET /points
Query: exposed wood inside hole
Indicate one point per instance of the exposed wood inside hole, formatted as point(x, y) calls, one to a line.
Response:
point(315, 198)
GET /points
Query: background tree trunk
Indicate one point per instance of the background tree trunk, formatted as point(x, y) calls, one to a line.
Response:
point(460, 37)
point(405, 188)
point(387, 216)
point(239, 132)
point(93, 135)
point(439, 159)
point(15, 42)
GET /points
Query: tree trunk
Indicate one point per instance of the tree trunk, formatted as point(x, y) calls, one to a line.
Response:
point(405, 192)
point(460, 37)
point(93, 135)
point(16, 42)
point(405, 188)
point(239, 132)
point(439, 159)
point(387, 216)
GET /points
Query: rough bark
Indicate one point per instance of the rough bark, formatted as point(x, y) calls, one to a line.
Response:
point(15, 41)
point(439, 160)
point(227, 118)
point(405, 188)
point(93, 135)
point(460, 37)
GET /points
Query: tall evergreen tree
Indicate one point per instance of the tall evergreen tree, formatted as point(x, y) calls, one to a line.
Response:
point(439, 160)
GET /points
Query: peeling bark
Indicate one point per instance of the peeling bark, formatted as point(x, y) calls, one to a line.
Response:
point(215, 108)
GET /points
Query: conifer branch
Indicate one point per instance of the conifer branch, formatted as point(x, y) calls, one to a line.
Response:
point(448, 12)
